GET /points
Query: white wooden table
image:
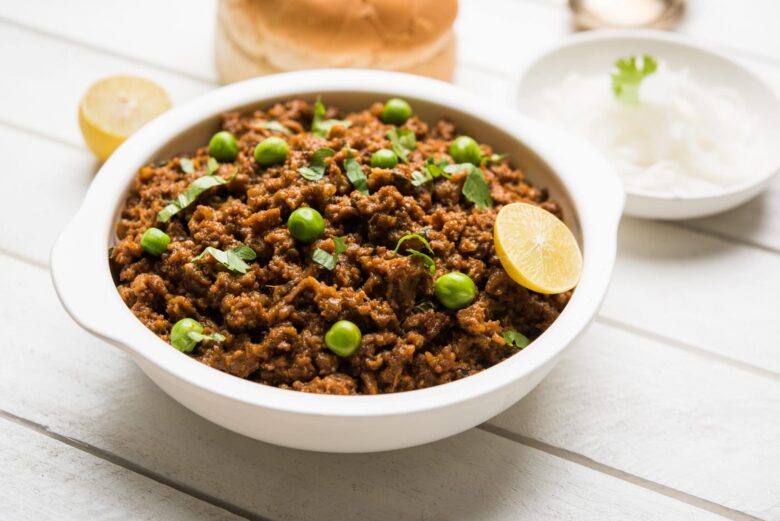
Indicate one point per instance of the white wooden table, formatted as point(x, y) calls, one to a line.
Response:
point(669, 408)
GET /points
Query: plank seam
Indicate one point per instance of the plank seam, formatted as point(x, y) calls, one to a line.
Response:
point(24, 259)
point(108, 52)
point(573, 457)
point(690, 348)
point(690, 226)
point(133, 467)
point(42, 135)
point(584, 461)
point(559, 453)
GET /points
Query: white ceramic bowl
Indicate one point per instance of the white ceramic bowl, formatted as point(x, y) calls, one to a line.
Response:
point(596, 52)
point(581, 179)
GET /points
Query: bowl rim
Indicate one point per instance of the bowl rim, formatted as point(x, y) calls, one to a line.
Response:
point(79, 253)
point(683, 41)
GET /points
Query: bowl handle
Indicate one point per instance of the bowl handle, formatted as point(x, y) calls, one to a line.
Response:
point(82, 280)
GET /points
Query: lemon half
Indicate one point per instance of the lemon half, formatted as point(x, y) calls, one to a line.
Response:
point(537, 250)
point(115, 107)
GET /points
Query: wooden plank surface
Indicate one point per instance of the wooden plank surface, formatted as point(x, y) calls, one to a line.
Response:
point(44, 479)
point(667, 409)
point(701, 290)
point(28, 99)
point(757, 222)
point(167, 35)
point(665, 414)
point(102, 399)
point(41, 173)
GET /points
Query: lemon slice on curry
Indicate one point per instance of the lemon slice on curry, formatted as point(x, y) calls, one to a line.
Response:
point(115, 107)
point(537, 250)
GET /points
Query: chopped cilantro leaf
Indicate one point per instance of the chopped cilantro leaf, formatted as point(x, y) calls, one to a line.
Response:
point(628, 75)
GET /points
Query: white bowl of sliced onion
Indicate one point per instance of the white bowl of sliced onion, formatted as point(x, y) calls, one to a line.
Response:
point(690, 131)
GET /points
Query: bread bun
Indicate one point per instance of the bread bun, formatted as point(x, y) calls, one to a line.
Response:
point(256, 37)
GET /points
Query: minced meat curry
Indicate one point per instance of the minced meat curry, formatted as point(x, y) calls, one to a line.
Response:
point(349, 256)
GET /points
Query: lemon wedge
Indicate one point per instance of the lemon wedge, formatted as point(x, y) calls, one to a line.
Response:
point(537, 249)
point(115, 107)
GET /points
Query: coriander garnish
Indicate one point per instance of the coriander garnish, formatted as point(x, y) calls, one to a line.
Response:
point(628, 75)
point(408, 236)
point(426, 259)
point(513, 338)
point(475, 189)
point(320, 126)
point(437, 168)
point(232, 259)
point(316, 168)
point(492, 158)
point(276, 126)
point(200, 337)
point(197, 187)
point(402, 141)
point(432, 170)
point(325, 259)
point(355, 174)
point(186, 166)
point(212, 165)
point(420, 178)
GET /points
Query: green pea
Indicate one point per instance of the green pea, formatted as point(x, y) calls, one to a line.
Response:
point(455, 290)
point(306, 224)
point(180, 338)
point(271, 151)
point(465, 150)
point(343, 338)
point(396, 111)
point(384, 158)
point(223, 147)
point(155, 241)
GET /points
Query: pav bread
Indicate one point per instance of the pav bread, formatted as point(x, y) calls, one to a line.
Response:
point(256, 37)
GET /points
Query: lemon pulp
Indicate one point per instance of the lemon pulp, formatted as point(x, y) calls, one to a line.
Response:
point(115, 107)
point(536, 249)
